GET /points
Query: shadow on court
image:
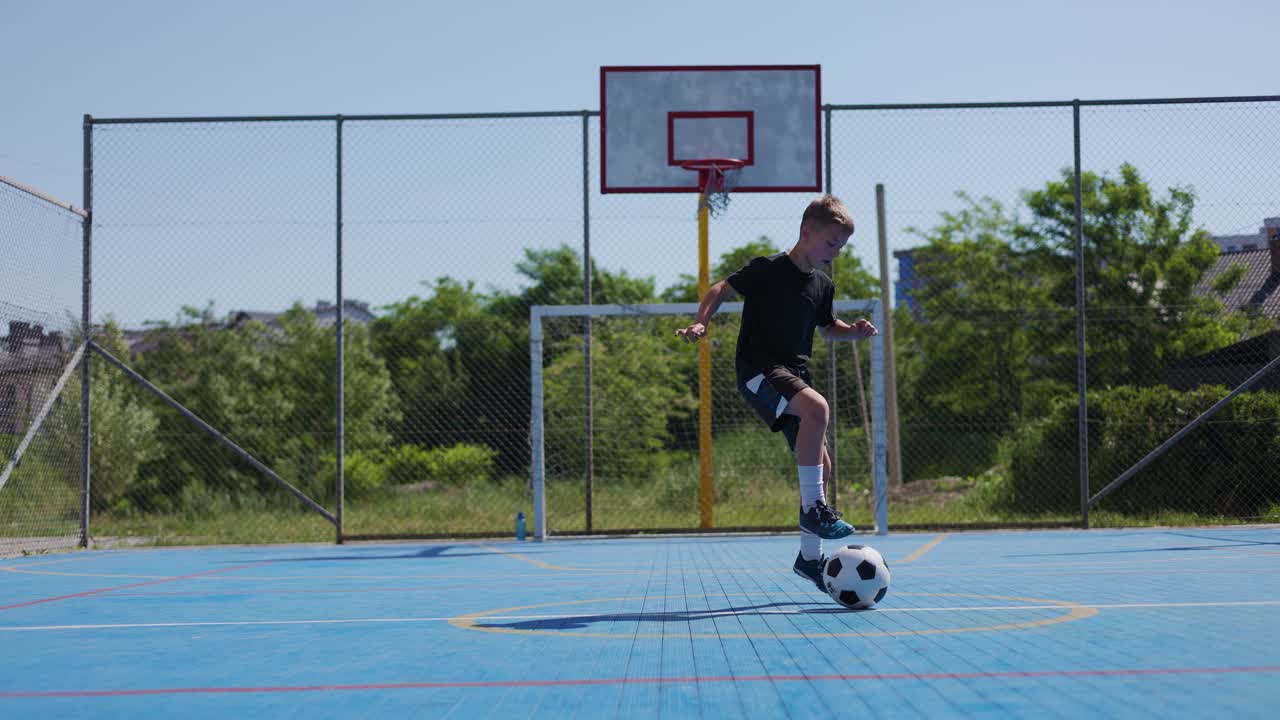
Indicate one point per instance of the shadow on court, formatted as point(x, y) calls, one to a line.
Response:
point(578, 622)
point(1221, 543)
point(380, 553)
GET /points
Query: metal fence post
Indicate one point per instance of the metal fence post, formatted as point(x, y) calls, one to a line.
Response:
point(86, 329)
point(1082, 384)
point(340, 424)
point(880, 456)
point(587, 331)
point(890, 349)
point(537, 443)
point(833, 428)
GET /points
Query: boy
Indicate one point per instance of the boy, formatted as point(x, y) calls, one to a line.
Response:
point(785, 297)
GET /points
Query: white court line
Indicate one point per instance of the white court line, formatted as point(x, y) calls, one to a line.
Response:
point(699, 615)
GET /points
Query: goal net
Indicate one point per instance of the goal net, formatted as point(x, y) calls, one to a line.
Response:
point(615, 425)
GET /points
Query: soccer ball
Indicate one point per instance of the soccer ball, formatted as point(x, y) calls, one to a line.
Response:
point(856, 576)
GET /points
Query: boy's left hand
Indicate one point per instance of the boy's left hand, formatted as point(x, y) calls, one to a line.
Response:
point(865, 329)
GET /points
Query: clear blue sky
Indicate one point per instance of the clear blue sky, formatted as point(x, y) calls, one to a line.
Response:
point(130, 58)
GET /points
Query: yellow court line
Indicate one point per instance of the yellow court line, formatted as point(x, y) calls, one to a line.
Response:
point(24, 571)
point(1073, 611)
point(923, 549)
point(72, 558)
point(548, 566)
point(24, 568)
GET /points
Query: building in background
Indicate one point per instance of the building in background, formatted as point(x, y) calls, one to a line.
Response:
point(908, 283)
point(354, 312)
point(31, 361)
point(1252, 241)
point(1258, 252)
point(1256, 291)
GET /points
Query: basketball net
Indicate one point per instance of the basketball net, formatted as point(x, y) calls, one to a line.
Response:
point(717, 177)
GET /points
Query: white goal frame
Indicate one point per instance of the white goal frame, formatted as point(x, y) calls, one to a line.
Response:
point(871, 307)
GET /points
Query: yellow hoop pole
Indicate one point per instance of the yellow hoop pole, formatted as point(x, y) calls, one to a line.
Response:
point(704, 378)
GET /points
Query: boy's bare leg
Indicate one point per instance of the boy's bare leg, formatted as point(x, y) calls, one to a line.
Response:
point(814, 413)
point(817, 521)
point(810, 561)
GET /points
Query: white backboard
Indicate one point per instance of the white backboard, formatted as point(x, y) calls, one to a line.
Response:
point(652, 118)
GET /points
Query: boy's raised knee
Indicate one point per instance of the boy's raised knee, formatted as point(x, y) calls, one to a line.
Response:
point(816, 409)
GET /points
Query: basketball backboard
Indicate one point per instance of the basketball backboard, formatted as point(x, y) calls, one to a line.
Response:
point(653, 119)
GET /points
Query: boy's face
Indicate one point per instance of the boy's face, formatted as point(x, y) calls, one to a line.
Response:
point(825, 242)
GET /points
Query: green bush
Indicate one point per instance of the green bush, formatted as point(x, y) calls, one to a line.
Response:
point(461, 463)
point(125, 433)
point(363, 472)
point(948, 450)
point(635, 402)
point(853, 464)
point(1226, 466)
point(409, 464)
point(272, 390)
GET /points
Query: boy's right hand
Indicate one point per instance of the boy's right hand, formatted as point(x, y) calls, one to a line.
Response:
point(693, 332)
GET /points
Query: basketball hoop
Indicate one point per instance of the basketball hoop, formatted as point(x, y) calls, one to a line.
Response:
point(717, 177)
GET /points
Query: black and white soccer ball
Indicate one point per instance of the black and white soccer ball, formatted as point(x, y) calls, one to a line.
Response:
point(856, 576)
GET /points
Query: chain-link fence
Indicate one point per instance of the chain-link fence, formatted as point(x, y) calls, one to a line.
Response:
point(968, 375)
point(222, 248)
point(40, 433)
point(1178, 277)
point(1183, 265)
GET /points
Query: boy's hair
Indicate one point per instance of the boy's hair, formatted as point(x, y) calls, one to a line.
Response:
point(828, 210)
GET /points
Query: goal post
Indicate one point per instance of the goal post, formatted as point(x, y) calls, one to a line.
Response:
point(645, 432)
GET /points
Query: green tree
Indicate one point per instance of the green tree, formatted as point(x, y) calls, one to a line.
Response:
point(994, 340)
point(636, 399)
point(1143, 259)
point(982, 304)
point(459, 359)
point(302, 367)
point(272, 391)
point(555, 278)
point(218, 373)
point(852, 279)
point(123, 436)
point(999, 294)
point(418, 339)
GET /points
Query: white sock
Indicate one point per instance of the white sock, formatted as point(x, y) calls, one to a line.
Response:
point(810, 545)
point(810, 493)
point(810, 485)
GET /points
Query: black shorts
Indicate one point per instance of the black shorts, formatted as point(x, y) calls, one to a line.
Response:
point(769, 393)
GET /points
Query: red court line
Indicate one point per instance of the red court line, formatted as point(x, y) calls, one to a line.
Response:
point(1129, 672)
point(323, 591)
point(99, 591)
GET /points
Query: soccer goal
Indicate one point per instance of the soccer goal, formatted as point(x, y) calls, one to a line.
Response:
point(615, 434)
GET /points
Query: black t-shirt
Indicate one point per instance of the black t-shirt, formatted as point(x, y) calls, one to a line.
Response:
point(782, 305)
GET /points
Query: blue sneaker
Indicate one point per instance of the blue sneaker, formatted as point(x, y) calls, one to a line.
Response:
point(810, 570)
point(824, 522)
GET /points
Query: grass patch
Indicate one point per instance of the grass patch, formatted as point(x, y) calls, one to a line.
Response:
point(754, 486)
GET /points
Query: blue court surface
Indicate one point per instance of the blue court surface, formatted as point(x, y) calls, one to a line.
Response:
point(1152, 623)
